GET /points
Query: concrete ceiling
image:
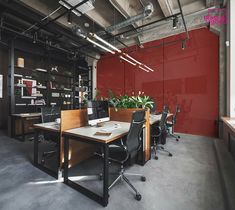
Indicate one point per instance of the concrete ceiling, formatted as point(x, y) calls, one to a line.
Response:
point(108, 13)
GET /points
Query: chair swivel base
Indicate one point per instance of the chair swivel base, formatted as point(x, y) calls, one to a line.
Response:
point(122, 176)
point(160, 148)
point(174, 136)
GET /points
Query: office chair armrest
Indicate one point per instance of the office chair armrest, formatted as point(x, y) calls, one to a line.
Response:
point(121, 145)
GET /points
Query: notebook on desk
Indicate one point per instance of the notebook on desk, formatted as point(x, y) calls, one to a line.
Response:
point(99, 133)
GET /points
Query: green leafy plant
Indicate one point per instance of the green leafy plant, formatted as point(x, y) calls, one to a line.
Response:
point(125, 101)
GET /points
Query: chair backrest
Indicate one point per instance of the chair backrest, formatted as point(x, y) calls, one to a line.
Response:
point(133, 140)
point(163, 117)
point(153, 110)
point(49, 114)
point(177, 110)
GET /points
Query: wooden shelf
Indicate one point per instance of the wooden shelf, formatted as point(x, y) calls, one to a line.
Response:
point(17, 85)
point(18, 67)
point(61, 74)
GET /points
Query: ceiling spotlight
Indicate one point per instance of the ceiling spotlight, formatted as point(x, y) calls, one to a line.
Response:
point(183, 45)
point(86, 25)
point(175, 22)
point(35, 37)
point(69, 18)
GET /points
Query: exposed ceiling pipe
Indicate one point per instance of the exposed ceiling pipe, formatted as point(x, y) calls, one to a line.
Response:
point(42, 42)
point(153, 27)
point(124, 13)
point(148, 10)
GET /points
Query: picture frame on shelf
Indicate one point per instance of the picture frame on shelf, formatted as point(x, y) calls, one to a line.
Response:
point(29, 90)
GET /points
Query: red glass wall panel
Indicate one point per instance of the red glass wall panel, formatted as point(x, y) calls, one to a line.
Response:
point(186, 77)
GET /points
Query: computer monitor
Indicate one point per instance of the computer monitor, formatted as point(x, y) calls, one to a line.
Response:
point(98, 111)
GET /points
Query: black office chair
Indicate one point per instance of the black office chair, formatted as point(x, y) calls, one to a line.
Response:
point(158, 134)
point(49, 114)
point(153, 110)
point(128, 150)
point(171, 123)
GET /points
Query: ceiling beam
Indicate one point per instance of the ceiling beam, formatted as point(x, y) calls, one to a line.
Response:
point(210, 3)
point(166, 7)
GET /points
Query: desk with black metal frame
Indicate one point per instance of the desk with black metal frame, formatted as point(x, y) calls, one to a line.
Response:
point(86, 134)
point(46, 127)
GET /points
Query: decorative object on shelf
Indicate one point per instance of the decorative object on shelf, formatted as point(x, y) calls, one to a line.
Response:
point(17, 92)
point(20, 62)
point(55, 95)
point(28, 91)
point(54, 69)
point(40, 102)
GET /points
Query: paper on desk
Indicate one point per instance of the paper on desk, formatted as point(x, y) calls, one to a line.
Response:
point(89, 111)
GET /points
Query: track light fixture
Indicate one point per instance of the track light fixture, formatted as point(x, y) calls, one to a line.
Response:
point(99, 45)
point(104, 42)
point(134, 64)
point(183, 44)
point(132, 59)
point(175, 22)
point(69, 20)
point(123, 56)
point(148, 68)
point(143, 68)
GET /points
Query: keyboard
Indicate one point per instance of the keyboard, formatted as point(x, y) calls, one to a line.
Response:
point(110, 128)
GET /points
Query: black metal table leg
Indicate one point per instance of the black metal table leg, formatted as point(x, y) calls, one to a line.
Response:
point(36, 134)
point(66, 158)
point(106, 176)
point(22, 127)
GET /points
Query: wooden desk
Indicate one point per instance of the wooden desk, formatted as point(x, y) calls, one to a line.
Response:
point(86, 134)
point(81, 151)
point(154, 118)
point(229, 133)
point(19, 127)
point(47, 127)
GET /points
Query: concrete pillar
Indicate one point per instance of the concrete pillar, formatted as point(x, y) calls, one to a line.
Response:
point(231, 59)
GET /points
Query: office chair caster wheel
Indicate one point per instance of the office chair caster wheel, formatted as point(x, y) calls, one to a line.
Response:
point(138, 197)
point(177, 139)
point(143, 178)
point(156, 157)
point(170, 155)
point(42, 162)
